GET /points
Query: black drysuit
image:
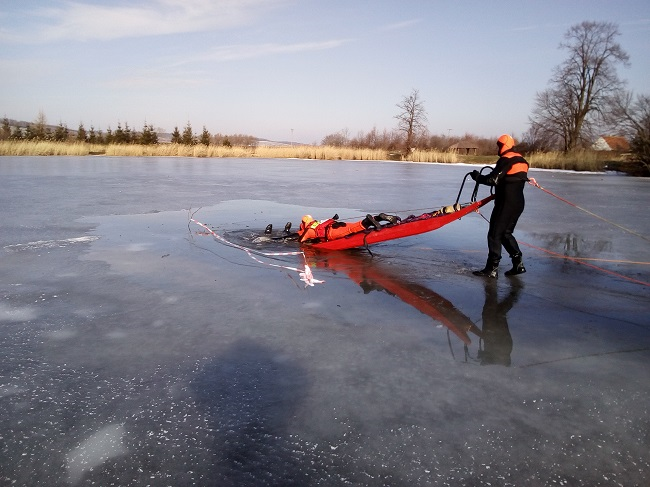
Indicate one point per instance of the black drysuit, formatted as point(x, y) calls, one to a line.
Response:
point(508, 177)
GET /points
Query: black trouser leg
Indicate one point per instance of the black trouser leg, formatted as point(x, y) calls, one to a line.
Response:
point(508, 240)
point(507, 210)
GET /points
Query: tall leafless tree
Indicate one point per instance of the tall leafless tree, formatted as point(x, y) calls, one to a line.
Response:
point(412, 119)
point(582, 86)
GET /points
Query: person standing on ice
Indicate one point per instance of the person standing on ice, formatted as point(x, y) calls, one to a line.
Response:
point(508, 177)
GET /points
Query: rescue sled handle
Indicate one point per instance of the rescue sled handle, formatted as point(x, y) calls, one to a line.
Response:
point(410, 226)
point(476, 185)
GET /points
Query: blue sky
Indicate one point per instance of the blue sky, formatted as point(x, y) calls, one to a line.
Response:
point(295, 69)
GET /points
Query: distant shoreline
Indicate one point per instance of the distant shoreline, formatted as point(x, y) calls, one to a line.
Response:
point(586, 161)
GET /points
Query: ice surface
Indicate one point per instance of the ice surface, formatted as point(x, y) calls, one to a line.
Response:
point(138, 351)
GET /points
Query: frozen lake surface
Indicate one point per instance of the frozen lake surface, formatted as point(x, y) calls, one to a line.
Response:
point(138, 351)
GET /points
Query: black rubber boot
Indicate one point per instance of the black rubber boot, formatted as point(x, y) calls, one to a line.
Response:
point(383, 217)
point(287, 227)
point(269, 229)
point(491, 269)
point(370, 221)
point(517, 265)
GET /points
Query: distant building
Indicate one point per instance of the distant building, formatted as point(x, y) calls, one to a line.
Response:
point(464, 147)
point(611, 143)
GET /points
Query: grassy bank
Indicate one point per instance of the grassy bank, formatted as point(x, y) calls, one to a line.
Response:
point(578, 161)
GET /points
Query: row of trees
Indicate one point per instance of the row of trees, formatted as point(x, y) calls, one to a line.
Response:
point(40, 131)
point(393, 140)
point(187, 137)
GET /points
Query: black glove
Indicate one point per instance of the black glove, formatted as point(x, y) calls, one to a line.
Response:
point(474, 174)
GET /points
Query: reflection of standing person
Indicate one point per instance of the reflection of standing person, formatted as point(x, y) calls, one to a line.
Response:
point(495, 333)
point(508, 177)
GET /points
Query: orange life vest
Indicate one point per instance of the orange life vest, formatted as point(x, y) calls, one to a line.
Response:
point(519, 165)
point(316, 230)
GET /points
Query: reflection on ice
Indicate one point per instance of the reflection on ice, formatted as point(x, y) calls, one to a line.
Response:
point(370, 276)
point(574, 245)
point(495, 333)
point(495, 340)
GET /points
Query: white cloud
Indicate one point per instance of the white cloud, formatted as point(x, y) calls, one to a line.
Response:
point(402, 25)
point(237, 52)
point(84, 21)
point(168, 74)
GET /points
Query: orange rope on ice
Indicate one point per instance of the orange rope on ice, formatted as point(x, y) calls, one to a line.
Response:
point(532, 182)
point(577, 260)
point(580, 261)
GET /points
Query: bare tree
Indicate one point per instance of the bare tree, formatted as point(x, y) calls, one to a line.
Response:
point(38, 130)
point(338, 139)
point(582, 86)
point(412, 119)
point(631, 116)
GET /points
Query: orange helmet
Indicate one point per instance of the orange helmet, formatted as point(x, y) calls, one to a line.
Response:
point(306, 220)
point(505, 143)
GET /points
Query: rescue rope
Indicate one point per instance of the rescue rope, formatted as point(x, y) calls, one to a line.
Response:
point(305, 274)
point(577, 260)
point(534, 183)
point(589, 355)
point(581, 261)
point(614, 261)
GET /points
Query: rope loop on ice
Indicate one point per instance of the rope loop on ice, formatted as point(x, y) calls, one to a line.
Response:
point(305, 273)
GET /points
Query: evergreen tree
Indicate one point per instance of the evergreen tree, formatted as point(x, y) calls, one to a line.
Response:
point(17, 134)
point(118, 136)
point(129, 135)
point(176, 136)
point(5, 132)
point(110, 138)
point(149, 136)
point(188, 136)
point(61, 133)
point(154, 135)
point(205, 137)
point(92, 138)
point(81, 134)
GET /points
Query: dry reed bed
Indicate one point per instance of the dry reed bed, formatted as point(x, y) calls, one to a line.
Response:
point(32, 148)
point(581, 160)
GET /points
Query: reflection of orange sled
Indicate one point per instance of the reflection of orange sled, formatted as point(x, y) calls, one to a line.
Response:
point(426, 222)
point(361, 269)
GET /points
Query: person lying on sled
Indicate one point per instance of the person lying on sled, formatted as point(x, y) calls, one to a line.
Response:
point(332, 229)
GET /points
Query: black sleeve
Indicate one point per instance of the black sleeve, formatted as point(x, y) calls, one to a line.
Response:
point(502, 166)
